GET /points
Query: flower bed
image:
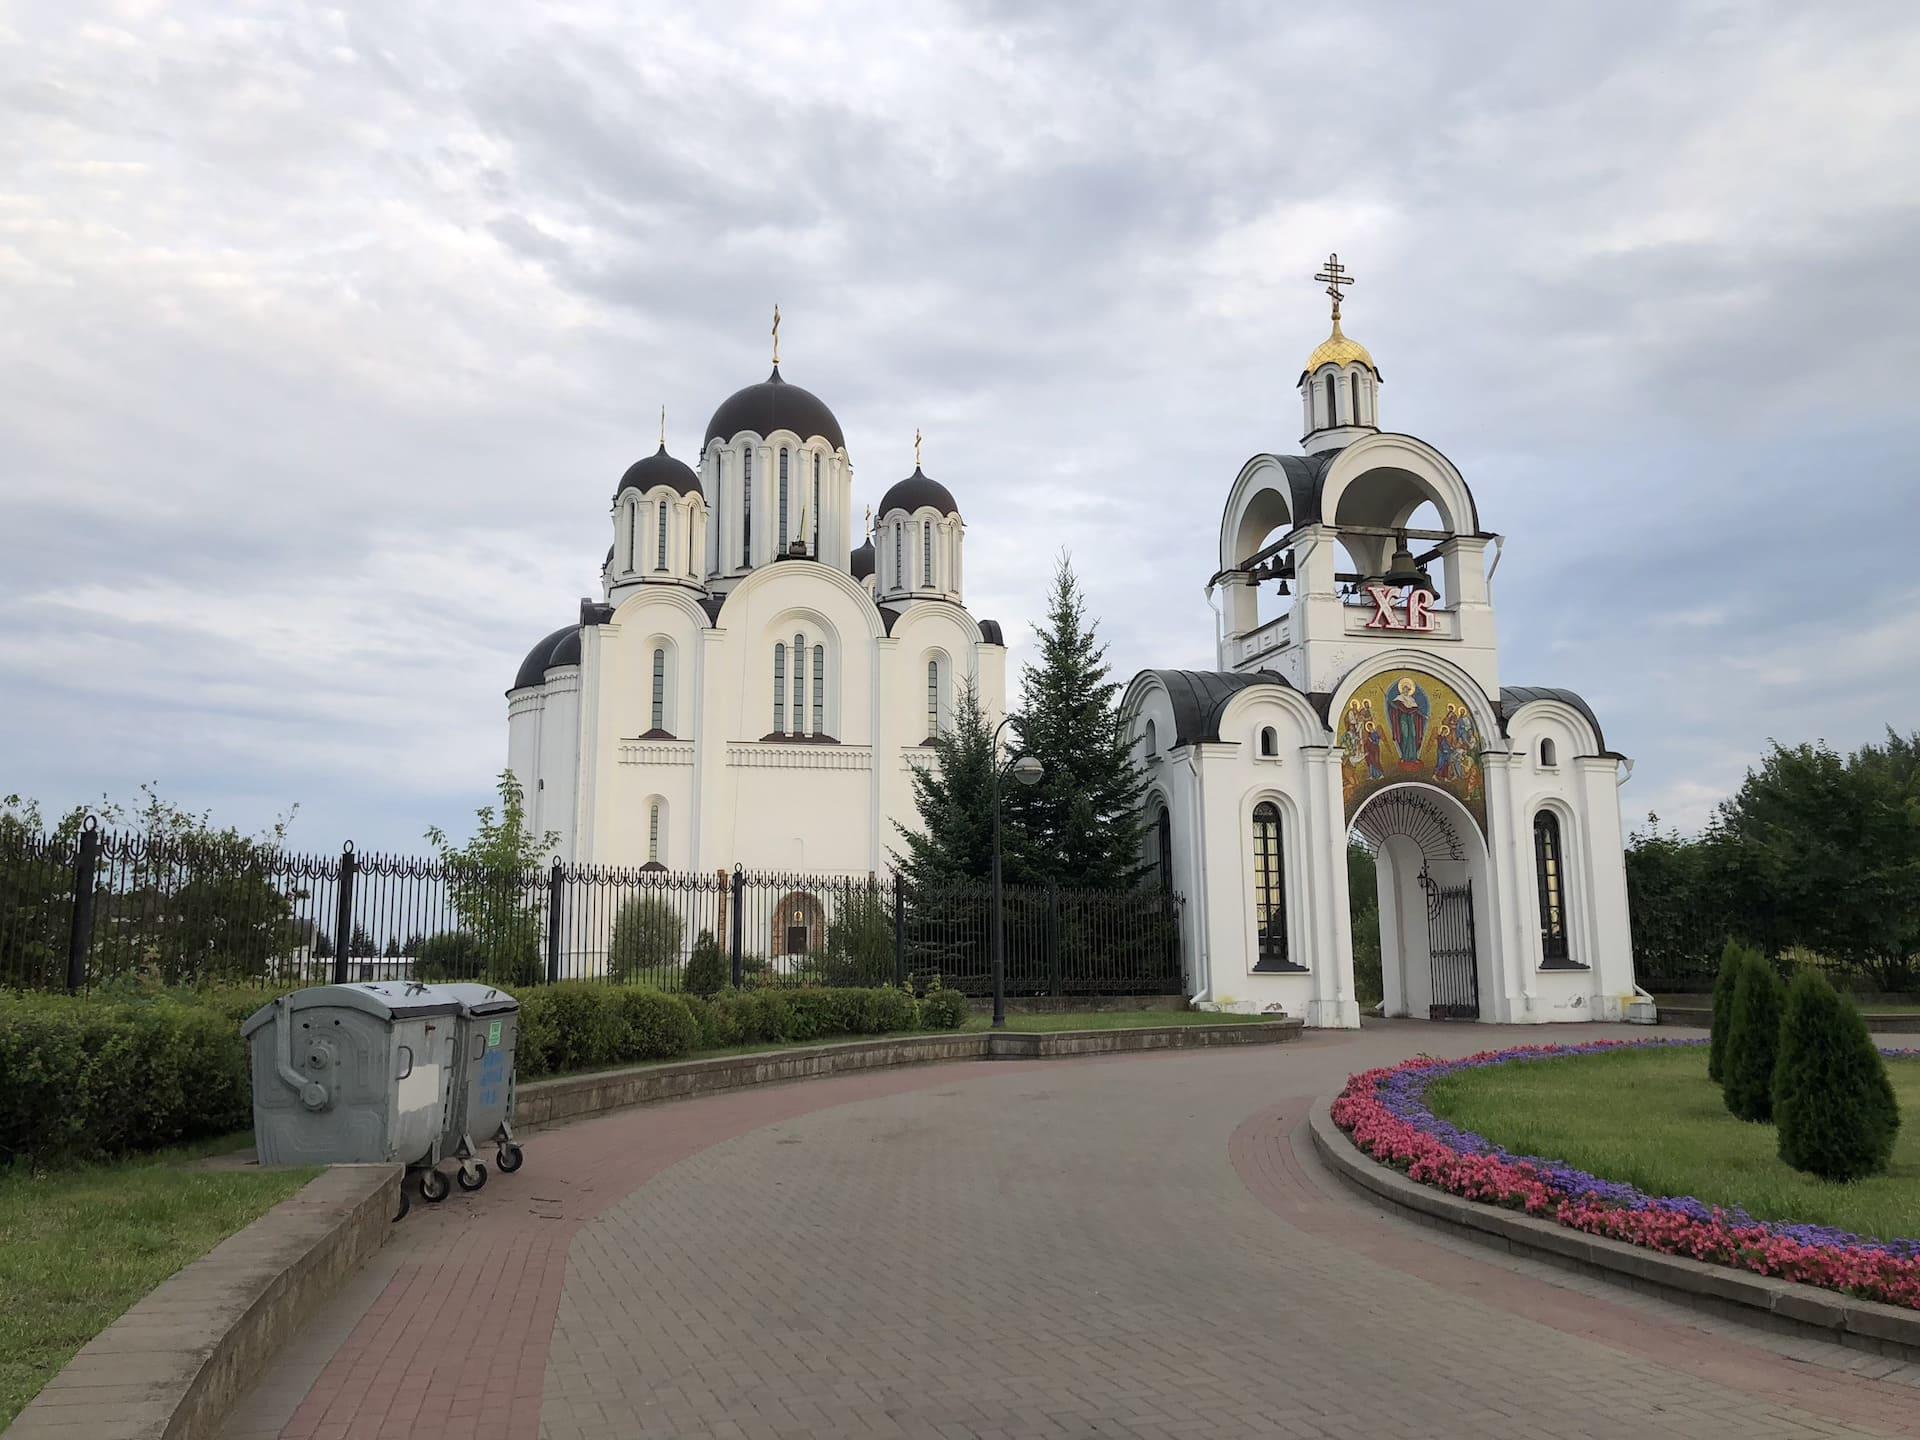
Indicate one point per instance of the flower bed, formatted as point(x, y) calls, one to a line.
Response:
point(1385, 1112)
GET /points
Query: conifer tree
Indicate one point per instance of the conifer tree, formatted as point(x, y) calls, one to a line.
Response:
point(954, 841)
point(1753, 1042)
point(1832, 1099)
point(1081, 826)
point(1732, 958)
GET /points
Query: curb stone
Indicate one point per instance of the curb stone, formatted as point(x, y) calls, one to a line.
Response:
point(172, 1366)
point(1758, 1299)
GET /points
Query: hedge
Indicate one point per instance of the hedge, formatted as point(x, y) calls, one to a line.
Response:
point(92, 1077)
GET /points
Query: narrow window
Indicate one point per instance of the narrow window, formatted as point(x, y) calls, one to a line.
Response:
point(659, 690)
point(746, 506)
point(1269, 742)
point(1163, 837)
point(933, 699)
point(780, 689)
point(783, 500)
point(1547, 757)
point(799, 684)
point(816, 507)
point(1152, 741)
point(653, 833)
point(660, 547)
point(926, 553)
point(1354, 385)
point(633, 547)
point(899, 557)
point(1269, 889)
point(819, 689)
point(1333, 417)
point(1549, 863)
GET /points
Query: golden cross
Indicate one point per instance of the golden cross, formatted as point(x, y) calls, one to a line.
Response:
point(776, 335)
point(916, 447)
point(1336, 276)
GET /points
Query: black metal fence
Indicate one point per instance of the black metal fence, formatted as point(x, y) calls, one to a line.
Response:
point(84, 907)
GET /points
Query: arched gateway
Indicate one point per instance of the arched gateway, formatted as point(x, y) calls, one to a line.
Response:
point(1366, 704)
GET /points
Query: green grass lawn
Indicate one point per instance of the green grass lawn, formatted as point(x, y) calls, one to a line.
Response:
point(1653, 1119)
point(1107, 1019)
point(77, 1247)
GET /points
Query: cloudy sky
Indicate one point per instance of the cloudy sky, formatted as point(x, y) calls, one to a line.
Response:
point(326, 333)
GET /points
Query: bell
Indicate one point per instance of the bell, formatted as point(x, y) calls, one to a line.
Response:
point(1403, 573)
point(1285, 589)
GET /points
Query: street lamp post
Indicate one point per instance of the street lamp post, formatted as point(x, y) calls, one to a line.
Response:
point(1027, 770)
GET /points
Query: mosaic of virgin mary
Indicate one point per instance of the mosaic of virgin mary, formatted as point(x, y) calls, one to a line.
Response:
point(1404, 725)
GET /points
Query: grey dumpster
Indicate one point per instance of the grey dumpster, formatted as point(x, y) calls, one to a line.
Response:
point(480, 1107)
point(346, 1074)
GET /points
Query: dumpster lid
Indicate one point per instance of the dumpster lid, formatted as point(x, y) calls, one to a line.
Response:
point(393, 1000)
point(479, 999)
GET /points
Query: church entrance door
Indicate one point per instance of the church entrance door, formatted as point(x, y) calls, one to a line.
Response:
point(1450, 948)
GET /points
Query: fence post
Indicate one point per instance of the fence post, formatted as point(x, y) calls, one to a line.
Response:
point(1053, 939)
point(899, 930)
point(556, 888)
point(343, 913)
point(739, 898)
point(80, 938)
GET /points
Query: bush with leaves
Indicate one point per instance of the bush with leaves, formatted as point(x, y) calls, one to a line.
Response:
point(496, 884)
point(708, 968)
point(1832, 1100)
point(859, 942)
point(1753, 1042)
point(656, 1026)
point(647, 931)
point(942, 1009)
point(1732, 959)
point(449, 955)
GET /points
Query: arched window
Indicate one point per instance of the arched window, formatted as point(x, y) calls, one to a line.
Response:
point(816, 507)
point(799, 684)
point(926, 553)
point(659, 714)
point(780, 689)
point(1269, 742)
point(633, 543)
point(1549, 862)
point(1151, 741)
point(933, 700)
point(660, 556)
point(819, 689)
point(1354, 386)
point(783, 499)
point(1269, 891)
point(1333, 416)
point(1548, 756)
point(746, 506)
point(653, 833)
point(1163, 848)
point(899, 557)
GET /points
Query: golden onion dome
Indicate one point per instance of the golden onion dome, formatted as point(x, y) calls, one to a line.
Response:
point(1337, 349)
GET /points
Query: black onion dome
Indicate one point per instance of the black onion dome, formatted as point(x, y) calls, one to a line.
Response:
point(659, 468)
point(773, 405)
point(917, 492)
point(863, 560)
point(534, 668)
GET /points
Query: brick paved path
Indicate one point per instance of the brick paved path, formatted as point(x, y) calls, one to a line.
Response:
point(1132, 1247)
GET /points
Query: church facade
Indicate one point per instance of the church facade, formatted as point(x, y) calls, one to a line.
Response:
point(749, 688)
point(1358, 694)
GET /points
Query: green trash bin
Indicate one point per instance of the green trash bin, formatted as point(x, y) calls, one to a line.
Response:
point(480, 1105)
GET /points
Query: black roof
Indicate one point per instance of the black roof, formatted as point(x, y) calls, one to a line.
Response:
point(916, 492)
point(1307, 477)
point(990, 632)
point(659, 468)
point(534, 668)
point(774, 405)
point(1201, 696)
point(862, 560)
point(1514, 697)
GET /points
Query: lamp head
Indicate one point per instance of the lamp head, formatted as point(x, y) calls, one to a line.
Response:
point(1028, 770)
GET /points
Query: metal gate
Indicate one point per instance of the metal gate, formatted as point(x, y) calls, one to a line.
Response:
point(1456, 978)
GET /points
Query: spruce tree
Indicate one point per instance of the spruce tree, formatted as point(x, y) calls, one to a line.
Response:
point(1832, 1099)
point(954, 842)
point(1731, 959)
point(1081, 826)
point(1753, 1042)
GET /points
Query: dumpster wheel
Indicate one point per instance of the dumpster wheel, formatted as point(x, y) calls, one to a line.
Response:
point(478, 1178)
point(509, 1158)
point(433, 1186)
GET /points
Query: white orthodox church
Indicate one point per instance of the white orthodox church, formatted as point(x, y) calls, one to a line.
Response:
point(750, 688)
point(1372, 704)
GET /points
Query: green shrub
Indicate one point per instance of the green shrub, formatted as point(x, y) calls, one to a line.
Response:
point(1732, 958)
point(859, 943)
point(657, 1026)
point(539, 1040)
point(449, 955)
point(1753, 1042)
point(1832, 1099)
point(587, 1026)
point(707, 971)
point(942, 1009)
point(646, 939)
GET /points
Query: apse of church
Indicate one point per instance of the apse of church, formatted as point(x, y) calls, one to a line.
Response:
point(1358, 696)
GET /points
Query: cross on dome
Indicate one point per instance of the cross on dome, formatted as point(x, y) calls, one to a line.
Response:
point(1336, 276)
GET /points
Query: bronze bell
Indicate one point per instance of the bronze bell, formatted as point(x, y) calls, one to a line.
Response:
point(1402, 572)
